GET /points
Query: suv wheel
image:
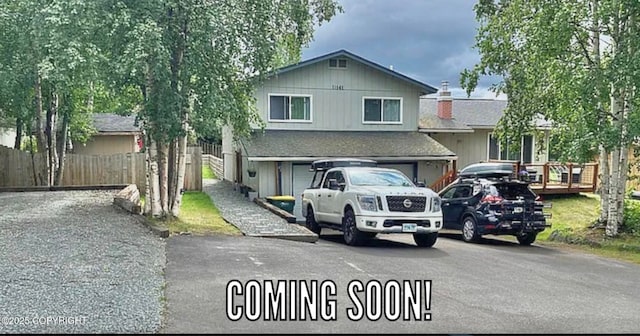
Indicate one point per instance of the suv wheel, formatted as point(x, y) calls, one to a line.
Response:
point(310, 222)
point(527, 238)
point(352, 236)
point(469, 230)
point(425, 240)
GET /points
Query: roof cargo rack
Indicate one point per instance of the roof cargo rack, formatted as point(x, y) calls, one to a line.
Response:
point(346, 162)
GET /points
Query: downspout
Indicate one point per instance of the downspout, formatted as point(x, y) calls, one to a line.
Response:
point(279, 172)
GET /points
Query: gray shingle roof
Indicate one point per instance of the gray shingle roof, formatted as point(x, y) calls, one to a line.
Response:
point(285, 143)
point(467, 113)
point(108, 123)
point(474, 113)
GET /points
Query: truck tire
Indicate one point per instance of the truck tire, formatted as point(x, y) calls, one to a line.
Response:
point(527, 238)
point(352, 236)
point(425, 240)
point(310, 222)
point(470, 230)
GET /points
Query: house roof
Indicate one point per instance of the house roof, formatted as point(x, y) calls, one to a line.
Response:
point(426, 88)
point(467, 114)
point(304, 145)
point(114, 123)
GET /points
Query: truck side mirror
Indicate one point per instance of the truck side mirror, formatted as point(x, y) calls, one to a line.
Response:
point(421, 185)
point(333, 184)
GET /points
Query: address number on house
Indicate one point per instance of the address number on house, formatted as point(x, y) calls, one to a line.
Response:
point(337, 87)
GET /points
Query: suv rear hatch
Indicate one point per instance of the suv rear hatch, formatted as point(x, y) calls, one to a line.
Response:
point(514, 201)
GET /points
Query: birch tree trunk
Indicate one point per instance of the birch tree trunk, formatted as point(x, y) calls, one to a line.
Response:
point(604, 153)
point(62, 149)
point(182, 167)
point(156, 208)
point(163, 177)
point(172, 171)
point(148, 186)
point(41, 139)
point(622, 183)
point(52, 116)
point(19, 124)
point(604, 186)
point(612, 220)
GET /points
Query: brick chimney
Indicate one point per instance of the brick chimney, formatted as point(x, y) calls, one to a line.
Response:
point(445, 102)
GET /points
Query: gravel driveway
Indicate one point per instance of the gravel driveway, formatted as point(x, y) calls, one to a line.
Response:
point(70, 262)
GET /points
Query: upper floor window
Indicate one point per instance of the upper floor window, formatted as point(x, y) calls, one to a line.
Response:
point(337, 63)
point(290, 108)
point(511, 152)
point(382, 110)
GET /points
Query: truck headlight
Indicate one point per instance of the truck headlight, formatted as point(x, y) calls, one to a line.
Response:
point(435, 204)
point(367, 202)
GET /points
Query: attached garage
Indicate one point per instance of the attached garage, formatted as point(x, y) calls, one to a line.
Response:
point(300, 180)
point(410, 169)
point(293, 151)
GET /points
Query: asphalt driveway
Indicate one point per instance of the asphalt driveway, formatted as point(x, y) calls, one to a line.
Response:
point(70, 262)
point(495, 287)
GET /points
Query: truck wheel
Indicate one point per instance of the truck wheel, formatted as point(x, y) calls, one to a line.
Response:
point(310, 222)
point(352, 236)
point(469, 230)
point(425, 240)
point(527, 238)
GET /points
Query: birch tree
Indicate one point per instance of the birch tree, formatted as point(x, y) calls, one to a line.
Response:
point(47, 57)
point(196, 63)
point(576, 64)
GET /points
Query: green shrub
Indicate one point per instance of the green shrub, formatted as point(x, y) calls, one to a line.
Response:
point(631, 222)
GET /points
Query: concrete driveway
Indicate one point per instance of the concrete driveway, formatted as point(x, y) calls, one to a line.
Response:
point(494, 287)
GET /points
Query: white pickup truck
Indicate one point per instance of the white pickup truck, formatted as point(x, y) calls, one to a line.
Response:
point(361, 200)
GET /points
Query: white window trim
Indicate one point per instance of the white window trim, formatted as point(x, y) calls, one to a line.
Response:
point(533, 149)
point(338, 62)
point(382, 122)
point(289, 120)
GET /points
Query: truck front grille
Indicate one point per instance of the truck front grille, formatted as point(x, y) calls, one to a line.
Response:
point(399, 203)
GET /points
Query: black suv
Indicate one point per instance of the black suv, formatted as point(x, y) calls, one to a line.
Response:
point(493, 204)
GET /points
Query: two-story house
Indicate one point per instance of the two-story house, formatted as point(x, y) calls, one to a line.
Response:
point(336, 105)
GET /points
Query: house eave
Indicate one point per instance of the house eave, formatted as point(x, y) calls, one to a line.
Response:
point(117, 133)
point(445, 130)
point(380, 158)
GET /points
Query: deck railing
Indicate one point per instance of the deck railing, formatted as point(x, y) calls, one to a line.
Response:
point(560, 178)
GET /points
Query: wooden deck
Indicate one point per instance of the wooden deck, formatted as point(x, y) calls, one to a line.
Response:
point(561, 189)
point(546, 178)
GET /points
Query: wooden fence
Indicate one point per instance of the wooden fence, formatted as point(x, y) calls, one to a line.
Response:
point(16, 169)
point(216, 164)
point(211, 149)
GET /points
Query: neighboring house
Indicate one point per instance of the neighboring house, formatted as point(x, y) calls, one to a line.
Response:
point(336, 105)
point(114, 134)
point(7, 137)
point(466, 126)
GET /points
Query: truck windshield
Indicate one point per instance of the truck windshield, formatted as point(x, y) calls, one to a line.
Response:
point(366, 177)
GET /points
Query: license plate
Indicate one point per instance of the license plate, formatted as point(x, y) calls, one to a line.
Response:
point(518, 210)
point(409, 227)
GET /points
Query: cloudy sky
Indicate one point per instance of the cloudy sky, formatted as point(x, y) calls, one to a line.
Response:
point(429, 40)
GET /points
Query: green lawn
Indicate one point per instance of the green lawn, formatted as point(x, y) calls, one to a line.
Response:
point(573, 215)
point(207, 172)
point(198, 215)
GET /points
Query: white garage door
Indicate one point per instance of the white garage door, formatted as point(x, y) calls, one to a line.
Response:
point(406, 168)
point(301, 180)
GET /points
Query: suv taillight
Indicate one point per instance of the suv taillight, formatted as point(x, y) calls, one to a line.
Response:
point(492, 199)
